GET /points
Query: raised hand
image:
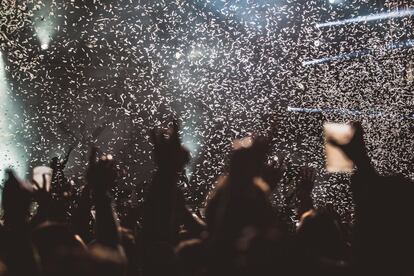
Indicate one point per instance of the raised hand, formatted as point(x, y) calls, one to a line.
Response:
point(40, 192)
point(273, 172)
point(304, 188)
point(306, 181)
point(355, 149)
point(15, 200)
point(65, 161)
point(170, 156)
point(101, 175)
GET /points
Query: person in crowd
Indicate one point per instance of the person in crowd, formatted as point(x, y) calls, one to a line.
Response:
point(241, 232)
point(383, 235)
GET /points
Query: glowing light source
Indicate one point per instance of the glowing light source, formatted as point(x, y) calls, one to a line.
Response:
point(44, 33)
point(10, 156)
point(367, 18)
point(44, 46)
point(45, 25)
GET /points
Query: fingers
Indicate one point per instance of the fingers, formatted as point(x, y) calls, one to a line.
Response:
point(175, 138)
point(154, 137)
point(307, 176)
point(334, 143)
point(92, 156)
point(11, 177)
point(356, 125)
point(44, 181)
point(107, 163)
point(9, 173)
point(175, 126)
point(359, 131)
point(36, 184)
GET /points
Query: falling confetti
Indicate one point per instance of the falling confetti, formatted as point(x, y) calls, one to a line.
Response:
point(106, 72)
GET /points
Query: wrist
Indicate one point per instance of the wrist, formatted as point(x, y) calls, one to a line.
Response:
point(101, 198)
point(166, 174)
point(363, 163)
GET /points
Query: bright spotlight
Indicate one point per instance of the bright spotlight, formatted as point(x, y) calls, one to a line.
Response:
point(44, 32)
point(10, 155)
point(45, 24)
point(335, 2)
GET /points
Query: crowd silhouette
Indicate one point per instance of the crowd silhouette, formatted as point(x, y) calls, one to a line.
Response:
point(239, 232)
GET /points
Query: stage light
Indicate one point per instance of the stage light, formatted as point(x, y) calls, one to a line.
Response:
point(44, 46)
point(10, 156)
point(368, 18)
point(45, 24)
point(409, 43)
point(44, 33)
point(336, 2)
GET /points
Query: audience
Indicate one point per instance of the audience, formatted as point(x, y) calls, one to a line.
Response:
point(79, 233)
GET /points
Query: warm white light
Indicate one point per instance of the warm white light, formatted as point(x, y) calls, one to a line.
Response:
point(38, 173)
point(44, 46)
point(45, 24)
point(44, 32)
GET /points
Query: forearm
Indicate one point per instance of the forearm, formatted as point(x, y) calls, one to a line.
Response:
point(81, 220)
point(364, 166)
point(193, 223)
point(305, 203)
point(106, 226)
point(41, 216)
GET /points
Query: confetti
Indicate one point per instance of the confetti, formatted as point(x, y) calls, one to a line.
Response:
point(107, 72)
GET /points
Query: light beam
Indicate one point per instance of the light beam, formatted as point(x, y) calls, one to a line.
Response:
point(10, 155)
point(368, 18)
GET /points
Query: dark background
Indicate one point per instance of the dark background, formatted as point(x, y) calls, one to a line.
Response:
point(113, 70)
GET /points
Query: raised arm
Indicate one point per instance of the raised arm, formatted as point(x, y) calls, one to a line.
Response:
point(357, 151)
point(65, 161)
point(304, 189)
point(165, 208)
point(16, 247)
point(101, 175)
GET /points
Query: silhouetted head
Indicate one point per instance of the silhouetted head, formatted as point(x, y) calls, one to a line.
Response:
point(16, 199)
point(98, 261)
point(320, 235)
point(53, 239)
point(248, 157)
